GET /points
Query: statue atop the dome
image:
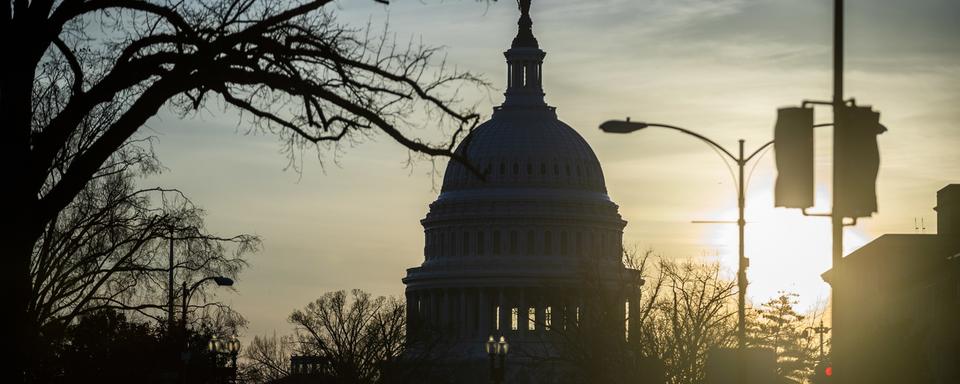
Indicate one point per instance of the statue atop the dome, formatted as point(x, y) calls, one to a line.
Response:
point(524, 37)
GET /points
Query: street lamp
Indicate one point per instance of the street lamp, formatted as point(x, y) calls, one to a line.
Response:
point(627, 126)
point(496, 348)
point(186, 293)
point(229, 347)
point(819, 330)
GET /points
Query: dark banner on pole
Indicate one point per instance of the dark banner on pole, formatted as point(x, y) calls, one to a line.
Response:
point(793, 148)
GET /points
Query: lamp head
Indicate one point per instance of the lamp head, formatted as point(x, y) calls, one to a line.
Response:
point(213, 344)
point(234, 345)
point(621, 126)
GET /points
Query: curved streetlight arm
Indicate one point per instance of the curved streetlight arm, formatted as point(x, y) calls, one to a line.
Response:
point(697, 135)
point(762, 147)
point(221, 281)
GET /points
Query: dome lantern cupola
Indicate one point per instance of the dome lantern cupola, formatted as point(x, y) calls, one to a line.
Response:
point(524, 64)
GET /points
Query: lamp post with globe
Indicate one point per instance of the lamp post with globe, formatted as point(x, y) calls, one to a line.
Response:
point(230, 347)
point(497, 349)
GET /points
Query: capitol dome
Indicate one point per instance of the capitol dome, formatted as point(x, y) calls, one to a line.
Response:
point(505, 254)
point(525, 148)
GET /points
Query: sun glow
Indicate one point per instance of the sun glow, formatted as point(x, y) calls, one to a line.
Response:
point(787, 251)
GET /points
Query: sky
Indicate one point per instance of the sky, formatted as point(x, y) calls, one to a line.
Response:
point(350, 218)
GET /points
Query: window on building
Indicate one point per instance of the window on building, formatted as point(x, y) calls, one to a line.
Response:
point(547, 318)
point(496, 242)
point(466, 243)
point(514, 319)
point(531, 319)
point(496, 318)
point(513, 242)
point(626, 321)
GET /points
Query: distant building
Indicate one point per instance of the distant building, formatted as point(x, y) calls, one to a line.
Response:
point(505, 255)
point(898, 304)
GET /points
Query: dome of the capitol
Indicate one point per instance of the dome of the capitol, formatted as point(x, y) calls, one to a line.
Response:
point(528, 149)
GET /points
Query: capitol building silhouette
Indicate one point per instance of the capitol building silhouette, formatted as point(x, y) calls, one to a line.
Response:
point(511, 253)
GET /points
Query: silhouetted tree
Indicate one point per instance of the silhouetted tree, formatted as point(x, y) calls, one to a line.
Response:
point(777, 326)
point(287, 66)
point(266, 359)
point(357, 334)
point(109, 249)
point(694, 313)
point(105, 347)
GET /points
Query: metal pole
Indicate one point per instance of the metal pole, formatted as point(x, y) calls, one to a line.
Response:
point(742, 260)
point(741, 272)
point(170, 320)
point(821, 339)
point(183, 311)
point(836, 219)
point(503, 369)
point(493, 369)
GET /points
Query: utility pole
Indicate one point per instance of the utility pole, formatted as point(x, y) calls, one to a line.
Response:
point(836, 218)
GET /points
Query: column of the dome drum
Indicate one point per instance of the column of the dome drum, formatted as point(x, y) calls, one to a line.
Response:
point(443, 319)
point(504, 310)
point(633, 328)
point(411, 314)
point(523, 313)
point(432, 307)
point(541, 313)
point(461, 323)
point(483, 308)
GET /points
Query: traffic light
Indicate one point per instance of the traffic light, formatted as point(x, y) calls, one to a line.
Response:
point(793, 148)
point(856, 161)
point(823, 373)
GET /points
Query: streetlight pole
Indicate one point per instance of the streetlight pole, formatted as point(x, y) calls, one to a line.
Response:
point(627, 126)
point(821, 330)
point(170, 288)
point(186, 293)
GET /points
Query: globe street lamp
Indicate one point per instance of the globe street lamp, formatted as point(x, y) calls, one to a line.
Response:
point(229, 347)
point(496, 348)
point(627, 126)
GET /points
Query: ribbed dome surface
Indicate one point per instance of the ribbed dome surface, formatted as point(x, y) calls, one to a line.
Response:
point(526, 148)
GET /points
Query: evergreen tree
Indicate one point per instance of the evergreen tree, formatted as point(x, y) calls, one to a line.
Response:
point(777, 326)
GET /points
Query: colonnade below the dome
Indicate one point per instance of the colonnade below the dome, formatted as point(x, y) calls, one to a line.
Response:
point(474, 313)
point(460, 241)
